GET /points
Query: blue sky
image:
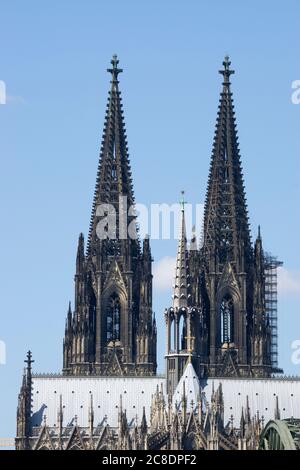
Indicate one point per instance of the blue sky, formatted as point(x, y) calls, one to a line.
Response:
point(53, 61)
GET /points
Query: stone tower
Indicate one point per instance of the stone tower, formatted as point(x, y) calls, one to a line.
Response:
point(232, 272)
point(111, 330)
point(218, 320)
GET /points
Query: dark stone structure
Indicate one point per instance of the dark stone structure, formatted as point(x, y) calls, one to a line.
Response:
point(112, 330)
point(220, 288)
point(109, 396)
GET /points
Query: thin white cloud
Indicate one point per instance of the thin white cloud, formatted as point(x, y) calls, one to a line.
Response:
point(288, 282)
point(163, 273)
point(15, 99)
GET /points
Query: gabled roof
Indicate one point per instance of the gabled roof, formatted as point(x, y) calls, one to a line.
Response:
point(189, 387)
point(44, 440)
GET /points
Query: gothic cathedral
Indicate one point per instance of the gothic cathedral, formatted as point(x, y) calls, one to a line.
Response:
point(221, 349)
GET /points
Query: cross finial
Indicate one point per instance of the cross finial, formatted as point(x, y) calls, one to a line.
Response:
point(191, 340)
point(182, 200)
point(29, 360)
point(226, 72)
point(114, 70)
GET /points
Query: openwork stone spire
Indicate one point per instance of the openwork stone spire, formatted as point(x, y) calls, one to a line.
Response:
point(112, 330)
point(180, 298)
point(225, 214)
point(232, 272)
point(114, 174)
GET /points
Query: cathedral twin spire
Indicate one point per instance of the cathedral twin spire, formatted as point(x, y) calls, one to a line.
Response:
point(219, 289)
point(112, 330)
point(223, 282)
point(114, 179)
point(217, 326)
point(226, 228)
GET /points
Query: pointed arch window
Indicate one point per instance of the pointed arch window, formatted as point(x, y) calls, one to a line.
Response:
point(227, 313)
point(113, 319)
point(182, 333)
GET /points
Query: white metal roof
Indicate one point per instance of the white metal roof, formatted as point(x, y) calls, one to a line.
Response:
point(136, 392)
point(262, 396)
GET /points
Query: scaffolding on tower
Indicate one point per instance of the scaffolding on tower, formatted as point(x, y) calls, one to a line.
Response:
point(271, 301)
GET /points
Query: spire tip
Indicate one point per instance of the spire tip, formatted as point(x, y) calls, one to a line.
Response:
point(182, 200)
point(227, 71)
point(29, 360)
point(114, 70)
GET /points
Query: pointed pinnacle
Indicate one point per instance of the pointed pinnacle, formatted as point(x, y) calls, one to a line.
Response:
point(277, 409)
point(182, 200)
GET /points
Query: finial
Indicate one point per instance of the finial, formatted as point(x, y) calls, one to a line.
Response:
point(29, 360)
point(259, 235)
point(121, 404)
point(114, 70)
point(60, 416)
point(190, 349)
point(182, 200)
point(227, 71)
